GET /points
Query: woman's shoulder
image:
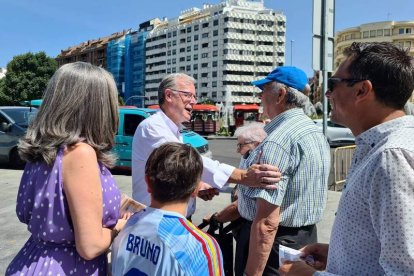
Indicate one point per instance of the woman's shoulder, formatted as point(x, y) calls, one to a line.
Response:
point(80, 150)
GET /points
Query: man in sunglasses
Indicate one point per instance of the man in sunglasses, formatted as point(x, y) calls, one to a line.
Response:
point(288, 215)
point(176, 96)
point(373, 232)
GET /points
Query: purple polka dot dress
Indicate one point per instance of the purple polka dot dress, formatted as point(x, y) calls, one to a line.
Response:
point(42, 205)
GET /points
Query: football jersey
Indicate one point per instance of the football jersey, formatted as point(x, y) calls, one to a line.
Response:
point(158, 242)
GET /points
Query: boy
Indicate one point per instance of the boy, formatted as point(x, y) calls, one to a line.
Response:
point(159, 240)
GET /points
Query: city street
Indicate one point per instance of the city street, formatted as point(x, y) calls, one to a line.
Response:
point(13, 234)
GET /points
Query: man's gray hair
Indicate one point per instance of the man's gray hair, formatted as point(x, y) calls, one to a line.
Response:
point(170, 82)
point(294, 98)
point(252, 132)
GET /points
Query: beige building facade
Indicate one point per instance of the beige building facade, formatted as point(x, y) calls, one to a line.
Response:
point(400, 33)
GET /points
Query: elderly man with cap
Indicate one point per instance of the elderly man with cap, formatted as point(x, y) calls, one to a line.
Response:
point(286, 216)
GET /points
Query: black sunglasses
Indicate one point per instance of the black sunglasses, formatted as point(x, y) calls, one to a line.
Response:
point(332, 82)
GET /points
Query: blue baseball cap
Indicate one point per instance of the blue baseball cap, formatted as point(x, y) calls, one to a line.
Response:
point(288, 75)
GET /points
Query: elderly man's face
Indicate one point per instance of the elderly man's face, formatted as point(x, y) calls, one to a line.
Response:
point(269, 98)
point(182, 101)
point(244, 145)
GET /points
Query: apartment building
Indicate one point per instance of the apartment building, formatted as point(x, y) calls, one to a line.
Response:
point(93, 51)
point(399, 32)
point(223, 46)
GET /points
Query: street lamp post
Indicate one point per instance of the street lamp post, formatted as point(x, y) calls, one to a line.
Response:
point(291, 52)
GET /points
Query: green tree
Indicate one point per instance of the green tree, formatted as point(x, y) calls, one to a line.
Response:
point(26, 78)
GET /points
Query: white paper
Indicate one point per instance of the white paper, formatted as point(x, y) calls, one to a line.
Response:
point(288, 254)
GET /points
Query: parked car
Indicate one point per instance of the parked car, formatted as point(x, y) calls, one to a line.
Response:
point(14, 121)
point(129, 119)
point(337, 134)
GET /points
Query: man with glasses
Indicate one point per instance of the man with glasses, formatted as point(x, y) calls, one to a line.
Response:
point(288, 215)
point(176, 96)
point(373, 232)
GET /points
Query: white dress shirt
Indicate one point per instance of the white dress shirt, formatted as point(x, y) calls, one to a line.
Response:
point(152, 133)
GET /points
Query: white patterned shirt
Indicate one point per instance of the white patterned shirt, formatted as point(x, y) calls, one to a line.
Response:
point(299, 149)
point(373, 232)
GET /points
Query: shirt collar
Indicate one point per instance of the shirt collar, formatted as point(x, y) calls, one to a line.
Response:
point(377, 133)
point(276, 121)
point(171, 125)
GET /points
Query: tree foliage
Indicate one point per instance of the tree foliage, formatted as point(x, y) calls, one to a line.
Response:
point(26, 78)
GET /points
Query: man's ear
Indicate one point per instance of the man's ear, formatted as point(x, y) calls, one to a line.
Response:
point(195, 193)
point(148, 181)
point(168, 95)
point(365, 90)
point(281, 95)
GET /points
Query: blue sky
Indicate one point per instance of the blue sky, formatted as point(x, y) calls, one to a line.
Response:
point(52, 25)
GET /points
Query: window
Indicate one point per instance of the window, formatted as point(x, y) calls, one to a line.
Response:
point(189, 29)
point(188, 67)
point(188, 58)
point(204, 75)
point(182, 68)
point(215, 52)
point(188, 38)
point(174, 51)
point(195, 76)
point(387, 32)
point(168, 61)
point(365, 34)
point(182, 59)
point(174, 70)
point(215, 63)
point(373, 33)
point(195, 47)
point(131, 122)
point(182, 40)
point(205, 25)
point(195, 27)
point(169, 35)
point(215, 33)
point(196, 37)
point(174, 33)
point(204, 45)
point(401, 31)
point(215, 22)
point(182, 31)
point(204, 65)
point(204, 84)
point(174, 61)
point(215, 42)
point(214, 73)
point(195, 57)
point(204, 55)
point(169, 53)
point(169, 44)
point(182, 50)
point(205, 35)
point(379, 32)
point(174, 42)
point(214, 84)
point(188, 48)
point(195, 66)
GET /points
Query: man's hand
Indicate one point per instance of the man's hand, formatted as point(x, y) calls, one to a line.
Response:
point(207, 192)
point(296, 268)
point(319, 252)
point(262, 176)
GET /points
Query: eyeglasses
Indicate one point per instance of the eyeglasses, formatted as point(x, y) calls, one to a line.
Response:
point(333, 82)
point(187, 95)
point(240, 145)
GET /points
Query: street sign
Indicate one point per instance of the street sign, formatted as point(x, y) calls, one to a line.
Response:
point(323, 34)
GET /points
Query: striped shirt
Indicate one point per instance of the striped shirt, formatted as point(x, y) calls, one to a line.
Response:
point(159, 242)
point(301, 152)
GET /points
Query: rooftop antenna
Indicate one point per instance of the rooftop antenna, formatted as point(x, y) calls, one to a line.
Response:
point(388, 16)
